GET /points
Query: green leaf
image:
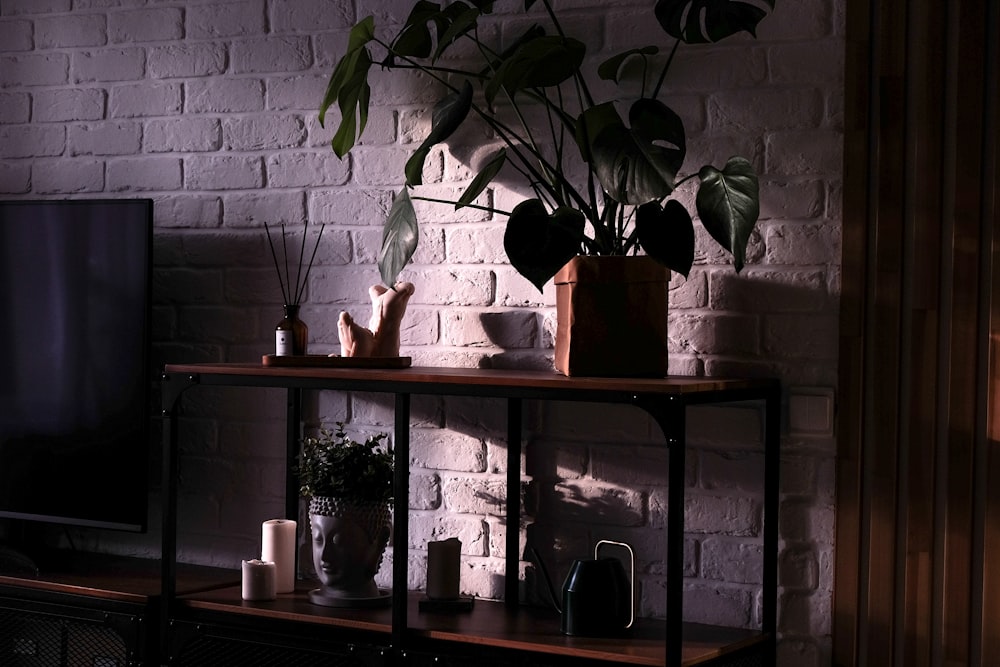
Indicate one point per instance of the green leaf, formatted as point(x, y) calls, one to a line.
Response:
point(414, 40)
point(608, 70)
point(728, 205)
point(354, 99)
point(539, 244)
point(447, 117)
point(634, 165)
point(463, 20)
point(666, 234)
point(701, 21)
point(537, 63)
point(482, 179)
point(348, 88)
point(399, 238)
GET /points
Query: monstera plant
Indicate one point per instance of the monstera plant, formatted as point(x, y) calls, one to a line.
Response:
point(536, 100)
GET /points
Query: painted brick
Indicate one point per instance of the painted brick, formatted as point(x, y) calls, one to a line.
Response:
point(353, 206)
point(463, 328)
point(189, 134)
point(15, 108)
point(800, 244)
point(764, 291)
point(730, 469)
point(472, 531)
point(425, 492)
point(67, 31)
point(224, 172)
point(727, 606)
point(809, 338)
point(464, 495)
point(736, 562)
point(298, 16)
point(144, 173)
point(721, 514)
point(710, 333)
point(224, 95)
point(105, 138)
point(146, 25)
point(289, 170)
point(793, 199)
point(479, 244)
point(595, 504)
point(265, 132)
point(820, 63)
point(630, 466)
point(14, 7)
point(31, 140)
point(50, 69)
point(255, 208)
point(798, 569)
point(145, 99)
point(186, 60)
point(60, 105)
point(514, 290)
point(454, 287)
point(801, 521)
point(124, 64)
point(17, 35)
point(802, 152)
point(440, 449)
point(15, 178)
point(180, 211)
point(303, 92)
point(271, 54)
point(67, 176)
point(745, 111)
point(225, 19)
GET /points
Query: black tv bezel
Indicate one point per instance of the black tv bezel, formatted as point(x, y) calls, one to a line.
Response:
point(142, 519)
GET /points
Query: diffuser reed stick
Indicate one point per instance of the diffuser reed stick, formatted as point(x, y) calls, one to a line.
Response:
point(292, 296)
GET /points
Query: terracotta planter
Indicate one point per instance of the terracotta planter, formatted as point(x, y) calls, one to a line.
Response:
point(612, 317)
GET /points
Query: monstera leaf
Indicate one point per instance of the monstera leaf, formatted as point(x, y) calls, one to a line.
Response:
point(399, 238)
point(701, 21)
point(538, 244)
point(538, 62)
point(348, 86)
point(728, 205)
point(666, 234)
point(447, 117)
point(638, 164)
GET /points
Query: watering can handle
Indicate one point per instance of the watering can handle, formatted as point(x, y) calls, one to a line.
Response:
point(631, 556)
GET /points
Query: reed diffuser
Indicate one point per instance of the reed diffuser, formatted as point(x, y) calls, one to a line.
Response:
point(291, 335)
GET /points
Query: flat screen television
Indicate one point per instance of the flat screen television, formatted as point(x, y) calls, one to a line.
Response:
point(75, 293)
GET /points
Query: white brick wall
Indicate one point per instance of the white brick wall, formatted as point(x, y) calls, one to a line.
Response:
point(210, 108)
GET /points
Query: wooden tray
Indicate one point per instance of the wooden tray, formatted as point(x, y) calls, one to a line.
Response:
point(324, 361)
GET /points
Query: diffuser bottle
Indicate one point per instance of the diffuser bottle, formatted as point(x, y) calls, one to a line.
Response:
point(291, 335)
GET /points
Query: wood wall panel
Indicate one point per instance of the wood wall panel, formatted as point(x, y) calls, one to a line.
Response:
point(918, 509)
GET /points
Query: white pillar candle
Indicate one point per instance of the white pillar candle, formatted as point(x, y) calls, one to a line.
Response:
point(278, 546)
point(258, 580)
point(444, 569)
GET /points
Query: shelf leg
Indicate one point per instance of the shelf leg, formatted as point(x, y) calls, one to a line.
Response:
point(171, 388)
point(400, 520)
point(513, 542)
point(772, 467)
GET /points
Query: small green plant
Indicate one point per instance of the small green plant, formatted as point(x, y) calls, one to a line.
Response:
point(332, 464)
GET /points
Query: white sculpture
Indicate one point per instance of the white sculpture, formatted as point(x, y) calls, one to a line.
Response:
point(381, 338)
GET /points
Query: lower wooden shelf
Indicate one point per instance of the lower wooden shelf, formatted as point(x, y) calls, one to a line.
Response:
point(488, 624)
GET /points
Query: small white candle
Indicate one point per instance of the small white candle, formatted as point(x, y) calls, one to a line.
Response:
point(444, 569)
point(278, 546)
point(258, 580)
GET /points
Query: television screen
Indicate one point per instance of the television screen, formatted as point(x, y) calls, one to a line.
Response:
point(75, 290)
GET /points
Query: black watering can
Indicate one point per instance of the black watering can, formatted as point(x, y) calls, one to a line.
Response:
point(598, 598)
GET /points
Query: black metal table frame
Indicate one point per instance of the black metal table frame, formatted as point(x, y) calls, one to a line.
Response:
point(667, 410)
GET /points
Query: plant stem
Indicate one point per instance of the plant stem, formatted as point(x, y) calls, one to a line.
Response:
point(448, 201)
point(666, 66)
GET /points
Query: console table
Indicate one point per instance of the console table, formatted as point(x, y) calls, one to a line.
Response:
point(670, 642)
